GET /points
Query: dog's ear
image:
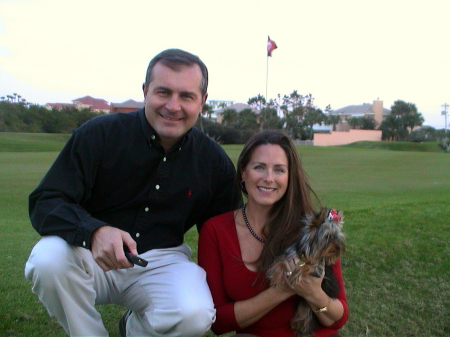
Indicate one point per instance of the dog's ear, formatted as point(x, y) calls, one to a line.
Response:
point(319, 218)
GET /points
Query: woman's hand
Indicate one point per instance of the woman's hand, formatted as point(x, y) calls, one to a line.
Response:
point(308, 286)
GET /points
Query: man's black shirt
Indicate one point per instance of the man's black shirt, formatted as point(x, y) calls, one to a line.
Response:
point(113, 171)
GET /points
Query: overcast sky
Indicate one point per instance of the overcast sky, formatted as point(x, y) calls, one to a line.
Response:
point(342, 52)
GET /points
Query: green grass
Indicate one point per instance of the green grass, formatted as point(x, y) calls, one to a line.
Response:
point(396, 203)
point(31, 142)
point(398, 146)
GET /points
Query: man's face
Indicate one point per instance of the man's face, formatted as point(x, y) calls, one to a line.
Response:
point(173, 101)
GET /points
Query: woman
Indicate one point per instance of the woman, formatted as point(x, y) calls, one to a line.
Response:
point(237, 248)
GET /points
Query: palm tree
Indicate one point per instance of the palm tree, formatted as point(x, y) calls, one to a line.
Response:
point(313, 116)
point(333, 120)
point(354, 122)
point(208, 110)
point(223, 105)
point(229, 116)
point(257, 102)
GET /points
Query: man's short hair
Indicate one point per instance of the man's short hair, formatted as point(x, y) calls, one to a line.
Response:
point(174, 58)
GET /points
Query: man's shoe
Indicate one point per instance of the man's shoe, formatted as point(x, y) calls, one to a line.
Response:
point(123, 324)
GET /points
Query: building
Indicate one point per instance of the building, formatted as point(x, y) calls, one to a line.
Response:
point(126, 106)
point(374, 110)
point(87, 102)
point(58, 106)
point(333, 138)
point(325, 136)
point(95, 104)
point(218, 104)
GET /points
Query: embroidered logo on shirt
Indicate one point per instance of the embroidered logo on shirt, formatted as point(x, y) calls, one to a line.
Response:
point(189, 193)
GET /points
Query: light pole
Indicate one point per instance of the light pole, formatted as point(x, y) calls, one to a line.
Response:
point(445, 105)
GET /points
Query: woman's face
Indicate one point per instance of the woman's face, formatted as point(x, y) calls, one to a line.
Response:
point(266, 175)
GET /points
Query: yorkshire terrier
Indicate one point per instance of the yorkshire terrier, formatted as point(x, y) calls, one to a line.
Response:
point(320, 244)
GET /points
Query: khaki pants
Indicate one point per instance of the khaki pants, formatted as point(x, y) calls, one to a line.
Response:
point(247, 335)
point(169, 297)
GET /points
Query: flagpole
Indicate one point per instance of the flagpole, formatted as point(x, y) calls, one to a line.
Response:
point(271, 46)
point(267, 74)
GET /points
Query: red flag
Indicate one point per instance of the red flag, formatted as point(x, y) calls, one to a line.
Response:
point(271, 46)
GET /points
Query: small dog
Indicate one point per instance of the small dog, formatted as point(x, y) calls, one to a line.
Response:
point(320, 244)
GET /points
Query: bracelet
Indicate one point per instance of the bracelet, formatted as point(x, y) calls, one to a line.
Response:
point(323, 309)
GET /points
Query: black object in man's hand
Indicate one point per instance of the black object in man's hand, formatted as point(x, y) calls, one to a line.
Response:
point(136, 259)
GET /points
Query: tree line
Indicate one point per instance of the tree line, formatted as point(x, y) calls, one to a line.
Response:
point(20, 117)
point(295, 114)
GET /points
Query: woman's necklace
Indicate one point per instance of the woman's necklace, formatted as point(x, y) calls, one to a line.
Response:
point(250, 228)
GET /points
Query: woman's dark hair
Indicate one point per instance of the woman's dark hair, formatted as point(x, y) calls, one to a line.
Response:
point(174, 58)
point(284, 224)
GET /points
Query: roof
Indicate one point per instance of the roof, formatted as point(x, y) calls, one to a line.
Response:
point(358, 110)
point(238, 107)
point(59, 106)
point(94, 103)
point(130, 104)
point(219, 101)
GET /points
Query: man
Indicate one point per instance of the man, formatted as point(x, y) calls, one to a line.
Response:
point(135, 182)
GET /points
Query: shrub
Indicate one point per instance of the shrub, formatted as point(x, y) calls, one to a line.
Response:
point(225, 134)
point(445, 144)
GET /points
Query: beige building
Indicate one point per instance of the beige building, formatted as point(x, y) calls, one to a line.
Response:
point(374, 110)
point(344, 134)
point(127, 106)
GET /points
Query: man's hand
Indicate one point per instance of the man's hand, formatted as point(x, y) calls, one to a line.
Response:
point(107, 248)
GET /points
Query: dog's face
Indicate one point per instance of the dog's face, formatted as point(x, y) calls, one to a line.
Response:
point(323, 239)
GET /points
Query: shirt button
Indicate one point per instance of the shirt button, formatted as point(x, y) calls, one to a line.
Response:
point(84, 243)
point(157, 187)
point(146, 209)
point(153, 137)
point(138, 235)
point(164, 159)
